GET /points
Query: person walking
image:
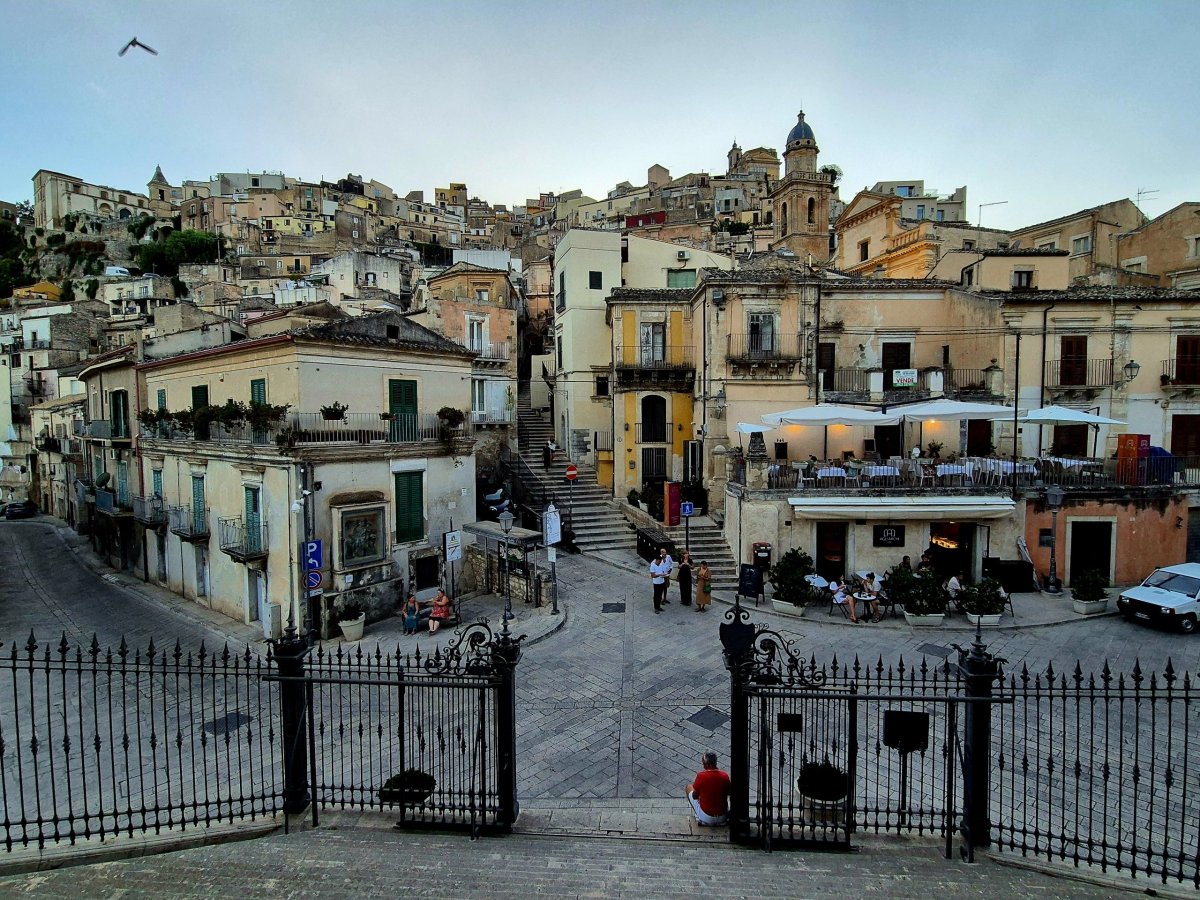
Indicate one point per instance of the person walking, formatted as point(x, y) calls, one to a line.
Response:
point(703, 586)
point(685, 579)
point(547, 454)
point(660, 572)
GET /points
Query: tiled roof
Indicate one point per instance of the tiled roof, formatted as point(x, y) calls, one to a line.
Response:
point(462, 266)
point(1023, 251)
point(1103, 293)
point(361, 331)
point(649, 295)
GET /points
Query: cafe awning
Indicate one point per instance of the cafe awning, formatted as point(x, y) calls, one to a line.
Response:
point(895, 509)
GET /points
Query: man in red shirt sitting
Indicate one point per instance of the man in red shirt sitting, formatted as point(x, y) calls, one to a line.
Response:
point(709, 793)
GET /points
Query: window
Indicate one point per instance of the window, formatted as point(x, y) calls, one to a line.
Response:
point(199, 396)
point(762, 332)
point(481, 296)
point(968, 278)
point(1022, 279)
point(1081, 245)
point(475, 334)
point(652, 345)
point(254, 182)
point(258, 390)
point(920, 210)
point(812, 211)
point(156, 483)
point(601, 385)
point(968, 245)
point(559, 353)
point(864, 251)
point(478, 401)
point(941, 215)
point(1193, 245)
point(595, 281)
point(681, 278)
point(410, 507)
point(1047, 245)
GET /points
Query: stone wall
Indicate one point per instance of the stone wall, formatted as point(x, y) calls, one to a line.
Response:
point(486, 574)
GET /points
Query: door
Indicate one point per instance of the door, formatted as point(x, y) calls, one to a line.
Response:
point(199, 513)
point(201, 571)
point(826, 363)
point(199, 401)
point(257, 590)
point(979, 437)
point(253, 518)
point(652, 343)
point(831, 549)
point(123, 484)
point(894, 355)
point(762, 333)
point(654, 427)
point(402, 404)
point(1091, 549)
point(1185, 437)
point(258, 391)
point(1073, 356)
point(887, 441)
point(692, 461)
point(1070, 440)
point(1187, 359)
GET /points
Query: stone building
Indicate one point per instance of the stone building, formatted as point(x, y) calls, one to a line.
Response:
point(800, 199)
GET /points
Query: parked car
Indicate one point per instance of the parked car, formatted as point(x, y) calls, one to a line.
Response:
point(22, 509)
point(1170, 595)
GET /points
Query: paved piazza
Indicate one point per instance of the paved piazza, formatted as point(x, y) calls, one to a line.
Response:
point(618, 704)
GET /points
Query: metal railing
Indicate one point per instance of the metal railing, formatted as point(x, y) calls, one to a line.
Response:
point(639, 356)
point(106, 429)
point(242, 542)
point(111, 503)
point(654, 432)
point(306, 429)
point(1081, 373)
point(491, 417)
point(188, 522)
point(602, 441)
point(763, 347)
point(149, 510)
point(849, 381)
point(493, 350)
point(1183, 371)
point(965, 380)
point(48, 444)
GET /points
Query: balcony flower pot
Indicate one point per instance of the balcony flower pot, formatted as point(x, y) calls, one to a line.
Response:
point(335, 412)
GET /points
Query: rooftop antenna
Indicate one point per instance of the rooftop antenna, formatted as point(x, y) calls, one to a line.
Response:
point(1144, 192)
point(979, 221)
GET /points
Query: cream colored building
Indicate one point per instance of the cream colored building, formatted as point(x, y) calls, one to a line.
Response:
point(1032, 269)
point(227, 505)
point(1090, 236)
point(56, 196)
point(1165, 251)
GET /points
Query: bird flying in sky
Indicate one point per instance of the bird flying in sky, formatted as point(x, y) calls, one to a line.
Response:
point(136, 43)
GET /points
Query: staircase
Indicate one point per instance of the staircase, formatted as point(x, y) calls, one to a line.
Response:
point(597, 523)
point(706, 540)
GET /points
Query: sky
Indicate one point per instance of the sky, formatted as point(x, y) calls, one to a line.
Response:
point(1041, 108)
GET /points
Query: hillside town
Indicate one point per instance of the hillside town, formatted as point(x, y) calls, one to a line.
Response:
point(205, 373)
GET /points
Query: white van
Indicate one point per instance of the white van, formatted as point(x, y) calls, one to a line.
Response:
point(1170, 595)
point(116, 270)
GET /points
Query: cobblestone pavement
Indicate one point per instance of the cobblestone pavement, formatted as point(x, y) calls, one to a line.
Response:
point(373, 863)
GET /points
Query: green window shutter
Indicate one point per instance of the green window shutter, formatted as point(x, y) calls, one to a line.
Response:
point(162, 398)
point(156, 476)
point(253, 519)
point(199, 396)
point(258, 390)
point(402, 404)
point(123, 483)
point(118, 410)
point(198, 516)
point(410, 507)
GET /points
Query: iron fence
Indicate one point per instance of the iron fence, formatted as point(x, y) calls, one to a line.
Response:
point(1079, 372)
point(1096, 770)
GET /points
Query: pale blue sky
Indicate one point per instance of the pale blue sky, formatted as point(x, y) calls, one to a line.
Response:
point(1053, 106)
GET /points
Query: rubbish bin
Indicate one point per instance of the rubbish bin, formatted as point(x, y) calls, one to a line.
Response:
point(762, 554)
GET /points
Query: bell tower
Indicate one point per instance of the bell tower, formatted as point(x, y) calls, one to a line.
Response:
point(159, 192)
point(800, 199)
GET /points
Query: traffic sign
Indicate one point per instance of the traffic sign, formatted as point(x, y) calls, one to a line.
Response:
point(313, 579)
point(551, 526)
point(572, 473)
point(452, 545)
point(687, 509)
point(314, 557)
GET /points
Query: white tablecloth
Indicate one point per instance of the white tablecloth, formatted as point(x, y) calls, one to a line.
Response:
point(944, 469)
point(1005, 467)
point(1075, 463)
point(831, 472)
point(816, 581)
point(881, 471)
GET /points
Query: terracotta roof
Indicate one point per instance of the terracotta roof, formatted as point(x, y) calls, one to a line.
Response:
point(649, 295)
point(1102, 293)
point(358, 331)
point(1022, 251)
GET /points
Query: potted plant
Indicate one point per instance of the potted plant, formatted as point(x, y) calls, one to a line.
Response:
point(792, 592)
point(634, 498)
point(264, 415)
point(286, 438)
point(922, 597)
point(935, 449)
point(983, 603)
point(335, 412)
point(451, 417)
point(387, 416)
point(823, 788)
point(351, 618)
point(1088, 593)
point(411, 787)
point(232, 414)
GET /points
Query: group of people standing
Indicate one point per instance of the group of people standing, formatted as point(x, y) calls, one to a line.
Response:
point(661, 569)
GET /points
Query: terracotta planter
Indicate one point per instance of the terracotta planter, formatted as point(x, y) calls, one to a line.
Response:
point(931, 621)
point(987, 620)
point(353, 629)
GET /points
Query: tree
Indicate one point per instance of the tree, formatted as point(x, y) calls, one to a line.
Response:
point(181, 248)
point(68, 292)
point(25, 212)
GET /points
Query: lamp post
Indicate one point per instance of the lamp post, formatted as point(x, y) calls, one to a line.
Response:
point(506, 524)
point(1054, 500)
point(1131, 370)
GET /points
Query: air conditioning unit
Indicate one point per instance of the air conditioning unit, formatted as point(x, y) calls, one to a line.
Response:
point(683, 255)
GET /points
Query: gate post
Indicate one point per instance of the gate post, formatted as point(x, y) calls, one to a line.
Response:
point(506, 653)
point(290, 652)
point(980, 670)
point(737, 638)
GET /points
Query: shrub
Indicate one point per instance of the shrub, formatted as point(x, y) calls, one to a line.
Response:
point(983, 599)
point(409, 786)
point(634, 498)
point(823, 781)
point(349, 612)
point(920, 595)
point(1089, 586)
point(787, 578)
point(451, 417)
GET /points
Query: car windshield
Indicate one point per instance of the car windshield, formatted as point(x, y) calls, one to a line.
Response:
point(1173, 581)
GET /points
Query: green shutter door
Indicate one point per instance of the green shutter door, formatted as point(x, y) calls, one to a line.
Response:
point(199, 396)
point(118, 410)
point(402, 403)
point(123, 484)
point(162, 398)
point(258, 390)
point(156, 477)
point(199, 523)
point(253, 520)
point(410, 507)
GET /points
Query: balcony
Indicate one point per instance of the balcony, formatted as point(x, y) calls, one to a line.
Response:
point(483, 418)
point(960, 382)
point(639, 367)
point(654, 432)
point(1078, 374)
point(493, 353)
point(1183, 372)
point(150, 511)
point(301, 429)
point(104, 429)
point(846, 381)
point(48, 444)
point(112, 504)
point(764, 350)
point(243, 543)
point(189, 523)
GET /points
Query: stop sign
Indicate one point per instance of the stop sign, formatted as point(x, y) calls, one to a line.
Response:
point(572, 473)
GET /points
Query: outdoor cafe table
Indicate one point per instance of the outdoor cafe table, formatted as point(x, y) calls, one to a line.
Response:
point(881, 472)
point(830, 472)
point(952, 470)
point(816, 581)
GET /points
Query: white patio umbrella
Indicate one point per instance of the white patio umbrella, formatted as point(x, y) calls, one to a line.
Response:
point(828, 414)
point(748, 428)
point(951, 410)
point(1064, 415)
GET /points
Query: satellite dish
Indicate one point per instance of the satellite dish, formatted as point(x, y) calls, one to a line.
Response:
point(102, 479)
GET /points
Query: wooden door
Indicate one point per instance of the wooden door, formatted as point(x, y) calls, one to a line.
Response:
point(1185, 436)
point(1072, 359)
point(1187, 359)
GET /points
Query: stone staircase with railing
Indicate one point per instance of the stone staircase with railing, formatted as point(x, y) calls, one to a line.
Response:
point(597, 523)
point(706, 541)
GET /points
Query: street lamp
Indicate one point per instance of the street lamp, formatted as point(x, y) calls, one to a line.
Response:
point(506, 523)
point(1054, 500)
point(1131, 369)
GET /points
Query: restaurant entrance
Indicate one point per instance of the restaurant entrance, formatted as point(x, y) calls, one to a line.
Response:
point(831, 550)
point(952, 547)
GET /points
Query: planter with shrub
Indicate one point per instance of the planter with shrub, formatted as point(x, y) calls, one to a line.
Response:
point(823, 788)
point(791, 592)
point(983, 603)
point(922, 597)
point(411, 787)
point(1089, 594)
point(351, 618)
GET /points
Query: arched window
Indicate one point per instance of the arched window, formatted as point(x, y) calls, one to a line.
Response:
point(812, 211)
point(783, 219)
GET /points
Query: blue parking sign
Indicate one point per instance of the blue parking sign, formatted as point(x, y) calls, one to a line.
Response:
point(313, 557)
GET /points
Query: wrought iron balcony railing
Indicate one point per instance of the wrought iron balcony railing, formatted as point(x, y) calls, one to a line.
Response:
point(111, 503)
point(313, 429)
point(1079, 373)
point(149, 510)
point(242, 542)
point(1182, 371)
point(640, 356)
point(105, 429)
point(189, 523)
point(654, 432)
point(763, 347)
